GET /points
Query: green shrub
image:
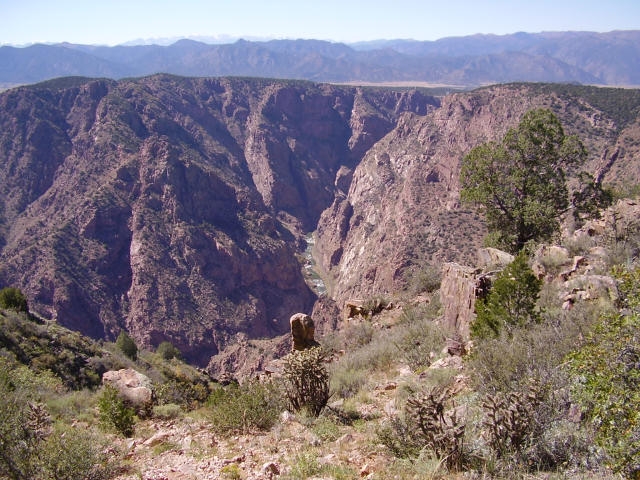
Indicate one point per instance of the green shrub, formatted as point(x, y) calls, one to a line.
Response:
point(187, 394)
point(31, 447)
point(418, 338)
point(374, 305)
point(231, 472)
point(325, 429)
point(426, 280)
point(511, 301)
point(376, 355)
point(74, 405)
point(127, 346)
point(167, 351)
point(306, 465)
point(399, 437)
point(347, 382)
point(19, 446)
point(167, 411)
point(76, 453)
point(242, 408)
point(423, 465)
point(357, 335)
point(13, 299)
point(607, 370)
point(114, 414)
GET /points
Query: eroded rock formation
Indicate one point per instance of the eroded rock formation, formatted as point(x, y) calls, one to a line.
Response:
point(458, 293)
point(302, 332)
point(402, 210)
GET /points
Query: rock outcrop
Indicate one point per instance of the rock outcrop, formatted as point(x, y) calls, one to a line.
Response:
point(458, 293)
point(134, 387)
point(302, 332)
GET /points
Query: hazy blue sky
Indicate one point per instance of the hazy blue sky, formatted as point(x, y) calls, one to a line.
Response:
point(117, 21)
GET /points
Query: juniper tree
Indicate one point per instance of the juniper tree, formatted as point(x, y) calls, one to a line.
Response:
point(521, 182)
point(127, 345)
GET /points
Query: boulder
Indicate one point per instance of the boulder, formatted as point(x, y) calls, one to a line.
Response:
point(302, 332)
point(589, 287)
point(456, 347)
point(578, 261)
point(134, 388)
point(492, 258)
point(354, 308)
point(549, 259)
point(270, 469)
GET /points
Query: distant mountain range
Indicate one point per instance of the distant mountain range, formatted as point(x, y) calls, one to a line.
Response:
point(578, 57)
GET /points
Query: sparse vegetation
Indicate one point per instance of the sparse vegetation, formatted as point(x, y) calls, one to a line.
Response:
point(167, 351)
point(607, 374)
point(621, 104)
point(521, 182)
point(425, 280)
point(440, 425)
point(32, 445)
point(249, 407)
point(509, 418)
point(512, 301)
point(231, 472)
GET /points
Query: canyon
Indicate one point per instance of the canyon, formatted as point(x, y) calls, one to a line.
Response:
point(179, 209)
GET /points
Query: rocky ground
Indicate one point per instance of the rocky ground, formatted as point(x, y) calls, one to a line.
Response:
point(186, 448)
point(298, 446)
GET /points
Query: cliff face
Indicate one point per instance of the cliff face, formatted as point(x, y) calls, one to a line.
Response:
point(402, 209)
point(175, 207)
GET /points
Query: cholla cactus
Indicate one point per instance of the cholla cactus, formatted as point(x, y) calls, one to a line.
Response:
point(510, 418)
point(440, 424)
point(307, 380)
point(38, 421)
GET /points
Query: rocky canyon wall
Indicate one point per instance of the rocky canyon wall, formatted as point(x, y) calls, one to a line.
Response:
point(175, 208)
point(402, 210)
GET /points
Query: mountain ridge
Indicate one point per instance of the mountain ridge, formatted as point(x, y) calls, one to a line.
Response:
point(611, 58)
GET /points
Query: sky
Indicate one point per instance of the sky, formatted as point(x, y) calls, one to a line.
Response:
point(111, 22)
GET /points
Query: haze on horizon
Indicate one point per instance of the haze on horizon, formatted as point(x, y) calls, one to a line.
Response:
point(121, 21)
